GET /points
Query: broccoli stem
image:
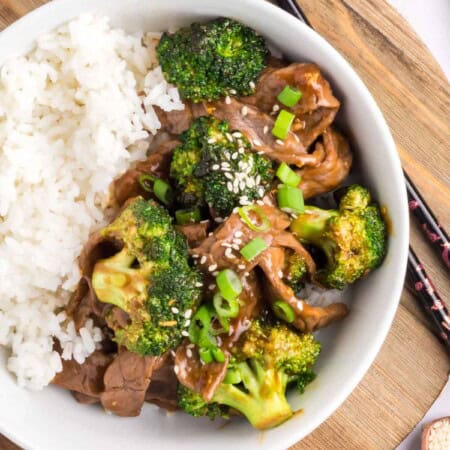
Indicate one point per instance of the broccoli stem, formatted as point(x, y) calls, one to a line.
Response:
point(264, 404)
point(310, 225)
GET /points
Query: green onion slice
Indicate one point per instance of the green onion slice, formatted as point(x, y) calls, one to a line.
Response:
point(229, 284)
point(289, 96)
point(200, 326)
point(218, 355)
point(261, 216)
point(283, 311)
point(290, 199)
point(206, 355)
point(254, 248)
point(224, 307)
point(287, 175)
point(283, 124)
point(163, 191)
point(232, 377)
point(185, 216)
point(146, 181)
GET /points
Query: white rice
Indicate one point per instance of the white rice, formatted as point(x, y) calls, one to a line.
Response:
point(71, 120)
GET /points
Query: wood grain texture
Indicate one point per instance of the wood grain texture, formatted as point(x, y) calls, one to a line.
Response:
point(414, 96)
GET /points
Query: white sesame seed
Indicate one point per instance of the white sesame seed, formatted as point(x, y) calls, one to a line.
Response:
point(188, 313)
point(228, 175)
point(187, 323)
point(238, 234)
point(241, 266)
point(237, 241)
point(229, 253)
point(210, 233)
point(195, 256)
point(211, 141)
point(244, 110)
point(227, 100)
point(258, 179)
point(184, 333)
point(266, 129)
point(257, 143)
point(225, 164)
point(251, 182)
point(261, 191)
point(211, 287)
point(176, 369)
point(279, 142)
point(214, 274)
point(236, 210)
point(198, 284)
point(237, 134)
point(189, 353)
point(241, 185)
point(234, 156)
point(175, 310)
point(203, 259)
point(252, 85)
point(230, 186)
point(275, 108)
point(215, 167)
point(218, 220)
point(235, 247)
point(233, 91)
point(300, 305)
point(212, 267)
point(280, 273)
point(260, 202)
point(241, 150)
point(229, 137)
point(225, 244)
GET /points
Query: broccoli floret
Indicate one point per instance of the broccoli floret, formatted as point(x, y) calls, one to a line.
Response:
point(211, 60)
point(353, 237)
point(193, 403)
point(296, 271)
point(267, 359)
point(150, 279)
point(215, 166)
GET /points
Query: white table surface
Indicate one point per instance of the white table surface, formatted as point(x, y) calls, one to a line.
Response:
point(431, 21)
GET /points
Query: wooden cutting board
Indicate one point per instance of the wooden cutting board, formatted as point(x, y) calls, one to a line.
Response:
point(414, 96)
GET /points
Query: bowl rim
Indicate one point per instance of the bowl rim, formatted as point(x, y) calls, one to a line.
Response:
point(402, 228)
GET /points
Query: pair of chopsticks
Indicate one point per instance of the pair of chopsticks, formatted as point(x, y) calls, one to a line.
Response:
point(417, 278)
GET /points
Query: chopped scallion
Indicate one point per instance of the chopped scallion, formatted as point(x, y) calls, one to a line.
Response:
point(163, 191)
point(289, 96)
point(229, 284)
point(185, 216)
point(287, 175)
point(224, 307)
point(146, 181)
point(253, 248)
point(245, 211)
point(283, 124)
point(218, 355)
point(283, 311)
point(206, 355)
point(290, 199)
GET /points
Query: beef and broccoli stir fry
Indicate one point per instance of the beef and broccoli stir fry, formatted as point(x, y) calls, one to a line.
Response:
point(198, 283)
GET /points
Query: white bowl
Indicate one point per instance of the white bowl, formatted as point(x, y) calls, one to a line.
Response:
point(51, 419)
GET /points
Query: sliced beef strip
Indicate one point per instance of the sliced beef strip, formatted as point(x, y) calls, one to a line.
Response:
point(126, 381)
point(163, 388)
point(307, 317)
point(157, 164)
point(332, 170)
point(202, 378)
point(195, 233)
point(317, 107)
point(85, 379)
point(256, 126)
point(217, 248)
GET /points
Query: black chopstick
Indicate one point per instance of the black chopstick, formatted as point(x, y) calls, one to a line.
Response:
point(429, 298)
point(417, 278)
point(428, 223)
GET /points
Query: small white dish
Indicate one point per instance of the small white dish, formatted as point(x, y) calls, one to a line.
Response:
point(52, 420)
